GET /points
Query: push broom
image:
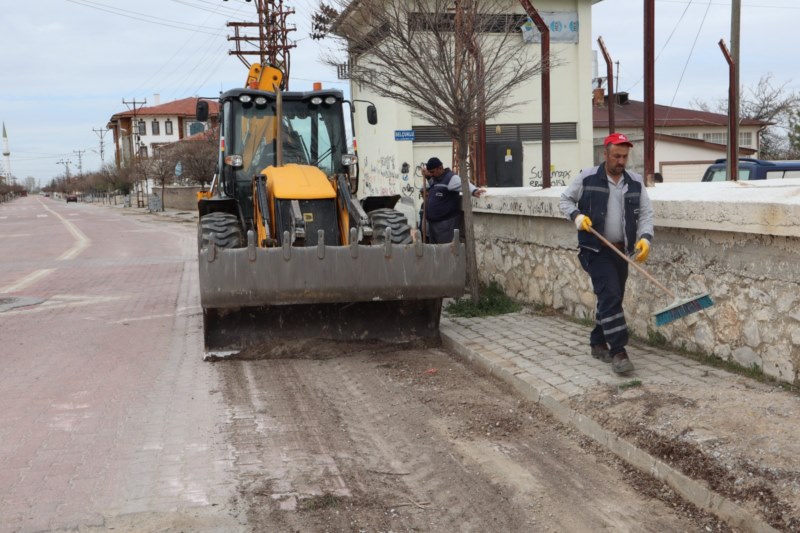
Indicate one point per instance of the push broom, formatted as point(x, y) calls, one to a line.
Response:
point(680, 307)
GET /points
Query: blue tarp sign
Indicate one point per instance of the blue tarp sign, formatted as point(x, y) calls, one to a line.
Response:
point(403, 135)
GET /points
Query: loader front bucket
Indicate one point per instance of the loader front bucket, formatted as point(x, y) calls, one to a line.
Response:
point(255, 295)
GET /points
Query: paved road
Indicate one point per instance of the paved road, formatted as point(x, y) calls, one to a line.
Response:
point(111, 420)
point(106, 410)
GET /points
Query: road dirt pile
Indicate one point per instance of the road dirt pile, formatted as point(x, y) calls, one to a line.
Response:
point(740, 437)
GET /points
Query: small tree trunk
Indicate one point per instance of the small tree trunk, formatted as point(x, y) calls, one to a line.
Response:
point(469, 230)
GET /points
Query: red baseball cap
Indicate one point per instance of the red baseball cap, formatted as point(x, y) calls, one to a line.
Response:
point(617, 138)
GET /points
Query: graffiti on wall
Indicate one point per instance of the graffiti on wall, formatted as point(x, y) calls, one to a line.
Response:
point(557, 177)
point(381, 177)
point(523, 206)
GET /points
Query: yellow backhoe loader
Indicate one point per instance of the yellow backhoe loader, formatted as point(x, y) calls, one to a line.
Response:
point(285, 248)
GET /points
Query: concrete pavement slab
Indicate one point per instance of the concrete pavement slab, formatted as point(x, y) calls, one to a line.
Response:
point(670, 402)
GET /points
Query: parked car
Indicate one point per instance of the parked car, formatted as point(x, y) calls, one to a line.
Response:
point(754, 169)
point(72, 198)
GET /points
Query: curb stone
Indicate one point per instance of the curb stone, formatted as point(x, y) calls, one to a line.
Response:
point(539, 392)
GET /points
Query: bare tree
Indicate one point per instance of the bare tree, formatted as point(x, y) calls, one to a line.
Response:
point(162, 168)
point(453, 64)
point(770, 103)
point(198, 158)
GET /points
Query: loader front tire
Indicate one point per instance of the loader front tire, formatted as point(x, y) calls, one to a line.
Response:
point(221, 228)
point(383, 218)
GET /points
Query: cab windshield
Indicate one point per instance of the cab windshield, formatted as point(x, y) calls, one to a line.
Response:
point(311, 135)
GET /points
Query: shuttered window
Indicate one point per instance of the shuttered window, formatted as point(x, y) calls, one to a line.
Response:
point(559, 131)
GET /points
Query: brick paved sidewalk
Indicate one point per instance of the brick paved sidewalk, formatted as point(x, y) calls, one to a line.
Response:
point(548, 360)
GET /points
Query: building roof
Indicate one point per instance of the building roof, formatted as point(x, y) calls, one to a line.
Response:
point(700, 143)
point(185, 107)
point(631, 115)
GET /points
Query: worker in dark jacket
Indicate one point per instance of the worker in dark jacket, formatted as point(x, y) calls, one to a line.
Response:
point(443, 205)
point(614, 202)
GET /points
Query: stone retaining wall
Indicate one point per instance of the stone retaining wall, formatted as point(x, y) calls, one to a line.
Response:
point(742, 247)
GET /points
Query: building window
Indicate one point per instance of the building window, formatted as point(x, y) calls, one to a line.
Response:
point(745, 138)
point(687, 135)
point(716, 137)
point(154, 127)
point(142, 128)
point(193, 128)
point(168, 127)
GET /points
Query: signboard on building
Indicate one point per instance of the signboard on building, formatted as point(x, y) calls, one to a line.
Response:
point(563, 27)
point(403, 135)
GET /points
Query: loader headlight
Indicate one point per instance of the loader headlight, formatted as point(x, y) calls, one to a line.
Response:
point(316, 100)
point(234, 160)
point(349, 159)
point(260, 100)
point(245, 98)
point(330, 100)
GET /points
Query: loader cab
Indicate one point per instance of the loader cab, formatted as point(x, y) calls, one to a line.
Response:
point(312, 133)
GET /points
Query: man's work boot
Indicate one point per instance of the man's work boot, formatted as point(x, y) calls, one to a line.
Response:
point(600, 351)
point(620, 363)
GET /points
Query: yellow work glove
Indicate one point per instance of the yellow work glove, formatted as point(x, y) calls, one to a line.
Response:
point(643, 247)
point(583, 223)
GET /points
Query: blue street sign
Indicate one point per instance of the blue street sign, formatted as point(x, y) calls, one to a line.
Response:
point(403, 135)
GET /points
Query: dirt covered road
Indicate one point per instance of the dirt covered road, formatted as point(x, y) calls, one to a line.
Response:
point(397, 437)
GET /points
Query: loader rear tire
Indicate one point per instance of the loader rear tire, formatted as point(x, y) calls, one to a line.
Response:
point(389, 218)
point(220, 228)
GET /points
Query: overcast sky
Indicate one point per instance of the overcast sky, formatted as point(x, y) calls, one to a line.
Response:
point(66, 65)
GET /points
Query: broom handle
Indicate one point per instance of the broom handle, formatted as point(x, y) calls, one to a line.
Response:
point(641, 269)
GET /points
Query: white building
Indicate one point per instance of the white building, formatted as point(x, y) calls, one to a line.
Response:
point(143, 130)
point(686, 140)
point(391, 151)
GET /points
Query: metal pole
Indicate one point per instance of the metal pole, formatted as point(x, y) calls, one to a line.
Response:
point(649, 92)
point(732, 164)
point(541, 25)
point(612, 101)
point(733, 104)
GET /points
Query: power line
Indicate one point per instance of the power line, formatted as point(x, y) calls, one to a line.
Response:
point(686, 65)
point(141, 16)
point(722, 4)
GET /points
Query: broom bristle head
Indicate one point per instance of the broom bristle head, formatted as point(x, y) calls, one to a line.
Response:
point(683, 308)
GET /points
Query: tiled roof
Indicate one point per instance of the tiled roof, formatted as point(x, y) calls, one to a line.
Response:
point(185, 107)
point(631, 115)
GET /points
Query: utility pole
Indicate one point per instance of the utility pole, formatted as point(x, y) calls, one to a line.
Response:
point(102, 134)
point(132, 106)
point(733, 100)
point(79, 153)
point(649, 92)
point(273, 37)
point(66, 163)
point(134, 146)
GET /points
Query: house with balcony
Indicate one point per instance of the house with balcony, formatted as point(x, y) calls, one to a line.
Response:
point(143, 130)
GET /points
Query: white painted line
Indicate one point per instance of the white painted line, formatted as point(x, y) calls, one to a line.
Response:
point(41, 216)
point(81, 240)
point(27, 281)
point(62, 301)
point(193, 310)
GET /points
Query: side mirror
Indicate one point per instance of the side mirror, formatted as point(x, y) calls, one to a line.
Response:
point(202, 111)
point(372, 114)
